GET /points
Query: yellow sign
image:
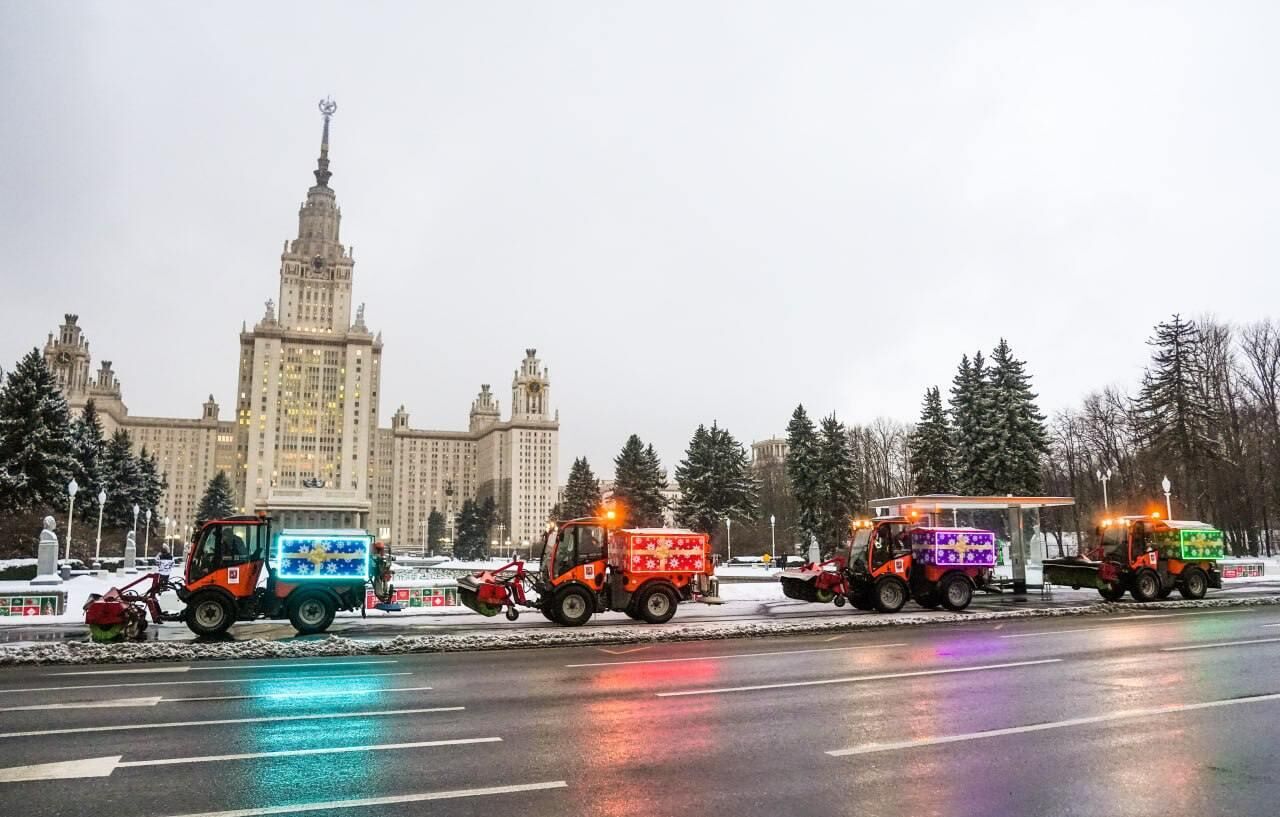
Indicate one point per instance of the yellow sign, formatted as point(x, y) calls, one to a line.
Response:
point(766, 557)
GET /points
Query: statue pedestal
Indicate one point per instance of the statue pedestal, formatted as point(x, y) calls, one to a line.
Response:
point(130, 553)
point(47, 556)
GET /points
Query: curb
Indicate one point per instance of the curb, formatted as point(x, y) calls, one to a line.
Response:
point(334, 646)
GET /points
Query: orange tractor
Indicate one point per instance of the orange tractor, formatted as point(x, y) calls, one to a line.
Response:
point(311, 575)
point(1146, 556)
point(588, 567)
point(893, 558)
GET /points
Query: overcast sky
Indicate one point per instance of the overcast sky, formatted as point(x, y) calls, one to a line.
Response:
point(695, 211)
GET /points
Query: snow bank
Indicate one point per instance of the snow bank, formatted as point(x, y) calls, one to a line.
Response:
point(89, 653)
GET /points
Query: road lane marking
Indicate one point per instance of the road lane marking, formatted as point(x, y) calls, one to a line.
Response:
point(157, 670)
point(836, 637)
point(210, 681)
point(731, 655)
point(624, 652)
point(1221, 644)
point(110, 704)
point(299, 808)
point(855, 679)
point(1179, 615)
point(1053, 632)
point(871, 748)
point(308, 694)
point(169, 724)
point(104, 766)
point(225, 667)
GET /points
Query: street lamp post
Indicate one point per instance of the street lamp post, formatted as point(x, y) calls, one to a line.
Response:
point(773, 542)
point(97, 550)
point(72, 489)
point(1168, 505)
point(728, 531)
point(146, 535)
point(1104, 477)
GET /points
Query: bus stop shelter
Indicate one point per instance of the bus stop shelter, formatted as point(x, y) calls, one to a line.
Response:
point(935, 507)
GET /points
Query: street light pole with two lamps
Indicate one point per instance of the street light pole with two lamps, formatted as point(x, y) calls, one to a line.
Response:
point(1104, 477)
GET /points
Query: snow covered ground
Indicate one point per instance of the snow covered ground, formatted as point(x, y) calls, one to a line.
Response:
point(485, 638)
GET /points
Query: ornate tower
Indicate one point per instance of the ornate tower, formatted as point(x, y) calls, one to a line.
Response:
point(484, 410)
point(315, 269)
point(531, 390)
point(68, 358)
point(307, 408)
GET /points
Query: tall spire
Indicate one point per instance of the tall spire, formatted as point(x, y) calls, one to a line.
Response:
point(327, 108)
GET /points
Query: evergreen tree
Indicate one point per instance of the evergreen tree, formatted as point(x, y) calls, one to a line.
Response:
point(218, 502)
point(88, 445)
point(838, 486)
point(469, 537)
point(153, 487)
point(1017, 427)
point(716, 482)
point(122, 480)
point(971, 418)
point(932, 455)
point(435, 530)
point(37, 456)
point(638, 484)
point(1176, 421)
point(581, 492)
point(804, 473)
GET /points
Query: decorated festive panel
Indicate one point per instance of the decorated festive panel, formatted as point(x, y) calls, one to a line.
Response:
point(660, 552)
point(962, 547)
point(419, 597)
point(31, 604)
point(315, 555)
point(1190, 543)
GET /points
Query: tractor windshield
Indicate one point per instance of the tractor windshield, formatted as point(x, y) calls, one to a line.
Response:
point(858, 548)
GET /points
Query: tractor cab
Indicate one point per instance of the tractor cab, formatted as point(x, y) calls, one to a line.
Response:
point(229, 554)
point(575, 551)
point(879, 543)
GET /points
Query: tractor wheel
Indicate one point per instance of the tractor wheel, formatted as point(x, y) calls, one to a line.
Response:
point(1194, 583)
point(839, 600)
point(928, 601)
point(656, 604)
point(1146, 586)
point(860, 601)
point(956, 592)
point(311, 613)
point(1111, 592)
point(889, 594)
point(208, 614)
point(548, 614)
point(631, 610)
point(573, 606)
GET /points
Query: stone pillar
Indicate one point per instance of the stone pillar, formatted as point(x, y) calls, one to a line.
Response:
point(131, 553)
point(47, 555)
point(1018, 554)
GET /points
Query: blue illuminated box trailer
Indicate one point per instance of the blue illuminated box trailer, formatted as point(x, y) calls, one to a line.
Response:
point(321, 555)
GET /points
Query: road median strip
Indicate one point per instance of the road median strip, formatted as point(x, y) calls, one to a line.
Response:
point(517, 638)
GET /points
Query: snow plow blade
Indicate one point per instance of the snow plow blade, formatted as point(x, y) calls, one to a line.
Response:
point(477, 593)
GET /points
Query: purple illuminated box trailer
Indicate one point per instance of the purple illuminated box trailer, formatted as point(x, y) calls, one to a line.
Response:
point(953, 547)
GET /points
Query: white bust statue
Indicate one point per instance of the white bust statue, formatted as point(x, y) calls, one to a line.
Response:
point(47, 534)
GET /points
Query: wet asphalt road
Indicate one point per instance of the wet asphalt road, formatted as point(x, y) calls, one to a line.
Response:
point(1168, 713)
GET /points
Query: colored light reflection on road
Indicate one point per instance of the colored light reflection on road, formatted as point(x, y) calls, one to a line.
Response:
point(281, 781)
point(622, 735)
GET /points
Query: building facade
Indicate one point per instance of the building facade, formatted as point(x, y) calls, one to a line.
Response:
point(305, 445)
point(188, 451)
